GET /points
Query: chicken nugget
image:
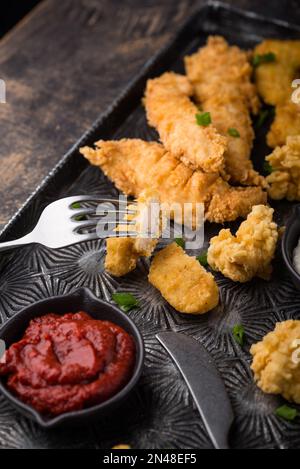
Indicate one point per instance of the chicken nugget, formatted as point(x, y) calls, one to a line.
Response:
point(123, 253)
point(276, 361)
point(284, 180)
point(183, 282)
point(250, 252)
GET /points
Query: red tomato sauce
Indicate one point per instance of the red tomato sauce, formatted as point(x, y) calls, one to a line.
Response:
point(70, 362)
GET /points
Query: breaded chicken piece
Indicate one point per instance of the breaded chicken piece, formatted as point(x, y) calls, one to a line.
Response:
point(286, 123)
point(221, 75)
point(275, 369)
point(274, 79)
point(121, 257)
point(122, 254)
point(170, 110)
point(183, 282)
point(135, 165)
point(284, 180)
point(250, 252)
point(274, 84)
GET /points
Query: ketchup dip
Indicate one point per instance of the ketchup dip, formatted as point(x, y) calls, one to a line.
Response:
point(67, 363)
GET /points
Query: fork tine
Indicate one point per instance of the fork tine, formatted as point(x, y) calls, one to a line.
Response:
point(92, 211)
point(88, 198)
point(122, 234)
point(83, 211)
point(112, 222)
point(92, 236)
point(94, 222)
point(81, 225)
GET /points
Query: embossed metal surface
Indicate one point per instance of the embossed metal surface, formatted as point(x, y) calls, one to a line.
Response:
point(161, 414)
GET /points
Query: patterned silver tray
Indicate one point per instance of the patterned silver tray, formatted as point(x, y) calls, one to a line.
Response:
point(161, 414)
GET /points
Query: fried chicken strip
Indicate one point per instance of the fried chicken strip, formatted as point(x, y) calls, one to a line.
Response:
point(170, 110)
point(220, 75)
point(286, 123)
point(274, 84)
point(183, 282)
point(135, 165)
point(250, 252)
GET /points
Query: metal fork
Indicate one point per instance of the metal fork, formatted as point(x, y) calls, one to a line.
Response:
point(61, 223)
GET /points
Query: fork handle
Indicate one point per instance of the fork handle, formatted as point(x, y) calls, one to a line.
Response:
point(28, 239)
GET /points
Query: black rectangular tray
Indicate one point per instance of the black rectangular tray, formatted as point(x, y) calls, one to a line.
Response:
point(161, 414)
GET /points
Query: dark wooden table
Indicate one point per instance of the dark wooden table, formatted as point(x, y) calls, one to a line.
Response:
point(66, 62)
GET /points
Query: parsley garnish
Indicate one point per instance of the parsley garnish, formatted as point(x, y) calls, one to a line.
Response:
point(263, 116)
point(203, 259)
point(203, 119)
point(263, 59)
point(267, 167)
point(239, 334)
point(287, 413)
point(234, 132)
point(126, 301)
point(180, 242)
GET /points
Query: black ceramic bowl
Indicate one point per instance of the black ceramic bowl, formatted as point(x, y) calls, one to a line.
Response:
point(81, 300)
point(289, 242)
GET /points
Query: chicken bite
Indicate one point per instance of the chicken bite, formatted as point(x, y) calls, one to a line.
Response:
point(275, 361)
point(250, 252)
point(170, 110)
point(121, 257)
point(135, 165)
point(274, 83)
point(286, 123)
point(221, 77)
point(183, 282)
point(122, 254)
point(284, 180)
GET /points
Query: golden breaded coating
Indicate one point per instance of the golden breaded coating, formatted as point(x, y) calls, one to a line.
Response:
point(275, 369)
point(250, 252)
point(183, 282)
point(170, 110)
point(135, 165)
point(274, 79)
point(286, 123)
point(221, 75)
point(121, 257)
point(274, 84)
point(123, 253)
point(284, 180)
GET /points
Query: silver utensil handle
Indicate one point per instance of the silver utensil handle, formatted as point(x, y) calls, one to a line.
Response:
point(28, 239)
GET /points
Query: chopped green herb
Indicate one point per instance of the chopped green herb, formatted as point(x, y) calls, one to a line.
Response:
point(203, 119)
point(180, 242)
point(76, 206)
point(239, 334)
point(262, 117)
point(203, 259)
point(234, 132)
point(267, 167)
point(126, 301)
point(263, 59)
point(287, 413)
